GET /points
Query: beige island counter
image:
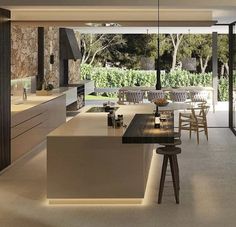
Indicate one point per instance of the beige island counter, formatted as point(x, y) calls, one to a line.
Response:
point(87, 160)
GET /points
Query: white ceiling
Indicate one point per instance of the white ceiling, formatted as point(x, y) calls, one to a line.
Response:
point(224, 11)
point(153, 30)
point(172, 4)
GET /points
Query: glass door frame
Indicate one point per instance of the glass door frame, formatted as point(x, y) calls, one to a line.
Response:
point(232, 48)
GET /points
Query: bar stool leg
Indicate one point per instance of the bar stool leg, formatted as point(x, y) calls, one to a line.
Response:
point(174, 178)
point(163, 175)
point(177, 170)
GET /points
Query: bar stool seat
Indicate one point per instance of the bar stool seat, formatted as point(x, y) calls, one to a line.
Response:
point(170, 152)
point(176, 142)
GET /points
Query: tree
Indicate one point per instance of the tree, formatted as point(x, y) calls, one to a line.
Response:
point(138, 46)
point(223, 53)
point(94, 44)
point(176, 41)
point(203, 49)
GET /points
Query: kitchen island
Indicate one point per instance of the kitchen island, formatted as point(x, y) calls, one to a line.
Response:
point(86, 160)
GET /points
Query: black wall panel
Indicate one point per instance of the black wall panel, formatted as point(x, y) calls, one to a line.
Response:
point(5, 88)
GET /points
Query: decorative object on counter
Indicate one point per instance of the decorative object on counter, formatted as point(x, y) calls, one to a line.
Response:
point(161, 102)
point(111, 119)
point(43, 92)
point(117, 123)
point(24, 94)
point(114, 122)
point(157, 122)
point(49, 87)
point(165, 119)
point(46, 87)
point(121, 119)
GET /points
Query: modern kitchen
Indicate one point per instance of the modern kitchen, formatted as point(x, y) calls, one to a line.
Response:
point(39, 113)
point(40, 108)
point(69, 161)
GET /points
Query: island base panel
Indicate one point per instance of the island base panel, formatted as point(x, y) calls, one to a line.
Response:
point(96, 168)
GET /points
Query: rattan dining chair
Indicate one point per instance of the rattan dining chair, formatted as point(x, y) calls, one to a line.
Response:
point(155, 94)
point(198, 96)
point(134, 96)
point(178, 96)
point(195, 120)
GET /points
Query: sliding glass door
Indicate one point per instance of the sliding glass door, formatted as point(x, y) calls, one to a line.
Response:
point(232, 77)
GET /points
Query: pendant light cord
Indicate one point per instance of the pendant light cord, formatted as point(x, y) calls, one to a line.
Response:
point(158, 84)
point(158, 26)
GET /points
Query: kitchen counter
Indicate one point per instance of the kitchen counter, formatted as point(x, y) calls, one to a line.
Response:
point(95, 124)
point(87, 160)
point(18, 105)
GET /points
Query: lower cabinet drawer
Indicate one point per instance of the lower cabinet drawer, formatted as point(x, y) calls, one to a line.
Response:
point(27, 141)
point(30, 127)
point(29, 124)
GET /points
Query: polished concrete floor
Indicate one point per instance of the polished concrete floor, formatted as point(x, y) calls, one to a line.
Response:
point(208, 192)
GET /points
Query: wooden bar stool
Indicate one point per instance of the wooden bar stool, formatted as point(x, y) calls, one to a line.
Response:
point(170, 152)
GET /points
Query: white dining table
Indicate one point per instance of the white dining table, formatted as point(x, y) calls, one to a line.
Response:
point(123, 90)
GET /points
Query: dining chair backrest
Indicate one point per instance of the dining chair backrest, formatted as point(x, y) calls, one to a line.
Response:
point(178, 96)
point(198, 96)
point(201, 112)
point(134, 96)
point(155, 94)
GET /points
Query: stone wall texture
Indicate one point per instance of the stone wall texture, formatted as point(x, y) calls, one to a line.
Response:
point(24, 54)
point(51, 46)
point(74, 66)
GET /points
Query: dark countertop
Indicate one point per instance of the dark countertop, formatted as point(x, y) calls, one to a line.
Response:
point(141, 130)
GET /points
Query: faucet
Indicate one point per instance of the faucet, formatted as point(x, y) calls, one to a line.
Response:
point(24, 94)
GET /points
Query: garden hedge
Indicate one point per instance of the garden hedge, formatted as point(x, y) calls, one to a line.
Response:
point(116, 78)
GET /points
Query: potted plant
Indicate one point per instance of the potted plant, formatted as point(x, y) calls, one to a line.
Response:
point(46, 87)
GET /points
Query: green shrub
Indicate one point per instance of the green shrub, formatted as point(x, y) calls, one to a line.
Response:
point(116, 78)
point(223, 89)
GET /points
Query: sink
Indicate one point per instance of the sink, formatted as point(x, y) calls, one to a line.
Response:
point(101, 109)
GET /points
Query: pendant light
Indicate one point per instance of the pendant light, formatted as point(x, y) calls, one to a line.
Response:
point(158, 69)
point(190, 63)
point(147, 63)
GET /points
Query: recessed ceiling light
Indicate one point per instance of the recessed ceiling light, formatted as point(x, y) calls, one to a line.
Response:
point(90, 24)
